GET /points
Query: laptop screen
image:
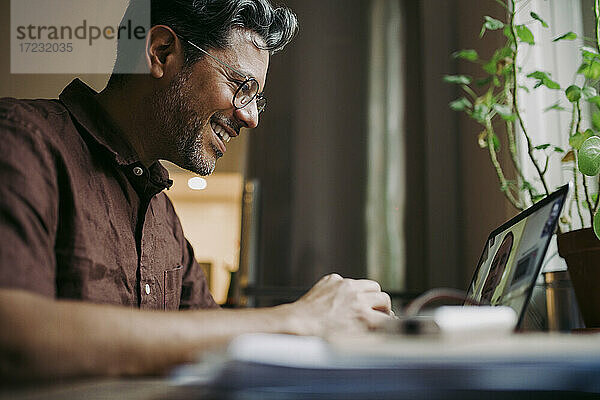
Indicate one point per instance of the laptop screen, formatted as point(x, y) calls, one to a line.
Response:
point(513, 255)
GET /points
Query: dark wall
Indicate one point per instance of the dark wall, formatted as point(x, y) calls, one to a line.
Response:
point(309, 152)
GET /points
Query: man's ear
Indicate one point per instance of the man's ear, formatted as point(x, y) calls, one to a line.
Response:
point(164, 54)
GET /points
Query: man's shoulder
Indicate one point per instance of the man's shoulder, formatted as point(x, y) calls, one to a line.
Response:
point(46, 119)
point(35, 110)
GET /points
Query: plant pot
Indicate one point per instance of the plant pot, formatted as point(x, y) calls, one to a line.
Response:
point(581, 251)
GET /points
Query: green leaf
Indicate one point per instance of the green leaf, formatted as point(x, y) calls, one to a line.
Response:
point(460, 104)
point(566, 36)
point(593, 71)
point(578, 138)
point(597, 224)
point(573, 93)
point(542, 146)
point(543, 79)
point(508, 33)
point(589, 54)
point(590, 70)
point(525, 88)
point(458, 79)
point(593, 197)
point(594, 100)
point(499, 61)
point(555, 106)
point(558, 149)
point(504, 111)
point(525, 34)
point(538, 75)
point(467, 54)
point(589, 156)
point(596, 120)
point(537, 17)
point(483, 81)
point(491, 24)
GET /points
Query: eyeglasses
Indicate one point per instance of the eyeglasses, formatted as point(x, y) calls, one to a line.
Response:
point(247, 89)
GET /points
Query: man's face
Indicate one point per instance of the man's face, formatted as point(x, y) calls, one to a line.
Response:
point(195, 112)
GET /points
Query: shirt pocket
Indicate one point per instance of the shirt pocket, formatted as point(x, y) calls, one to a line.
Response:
point(172, 280)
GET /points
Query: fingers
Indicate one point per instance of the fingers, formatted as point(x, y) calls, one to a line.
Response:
point(348, 302)
point(363, 285)
point(366, 285)
point(328, 279)
point(374, 319)
point(378, 301)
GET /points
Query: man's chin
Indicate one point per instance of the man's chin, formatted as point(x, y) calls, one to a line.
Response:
point(204, 167)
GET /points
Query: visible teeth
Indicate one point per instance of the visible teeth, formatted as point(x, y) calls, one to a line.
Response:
point(220, 131)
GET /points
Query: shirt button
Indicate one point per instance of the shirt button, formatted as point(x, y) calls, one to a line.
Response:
point(138, 171)
point(147, 289)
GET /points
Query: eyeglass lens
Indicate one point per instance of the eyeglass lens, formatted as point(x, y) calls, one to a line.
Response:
point(246, 93)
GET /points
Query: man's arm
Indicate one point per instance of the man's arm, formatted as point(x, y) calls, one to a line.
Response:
point(44, 338)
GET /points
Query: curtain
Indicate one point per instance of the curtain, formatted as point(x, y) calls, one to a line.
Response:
point(386, 174)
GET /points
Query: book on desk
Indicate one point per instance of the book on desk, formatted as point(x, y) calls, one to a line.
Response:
point(385, 363)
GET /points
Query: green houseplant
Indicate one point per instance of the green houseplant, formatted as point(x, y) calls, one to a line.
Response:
point(493, 100)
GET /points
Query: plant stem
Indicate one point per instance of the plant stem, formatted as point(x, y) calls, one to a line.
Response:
point(498, 167)
point(515, 100)
point(512, 144)
point(572, 130)
point(587, 198)
point(597, 200)
point(469, 91)
point(578, 106)
point(573, 122)
point(588, 201)
point(597, 13)
point(576, 194)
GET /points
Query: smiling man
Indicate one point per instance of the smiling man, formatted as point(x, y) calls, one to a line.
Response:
point(96, 277)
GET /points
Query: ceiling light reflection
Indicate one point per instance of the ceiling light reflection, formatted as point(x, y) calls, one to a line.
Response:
point(197, 183)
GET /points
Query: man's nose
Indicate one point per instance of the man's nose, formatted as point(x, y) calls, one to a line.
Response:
point(248, 115)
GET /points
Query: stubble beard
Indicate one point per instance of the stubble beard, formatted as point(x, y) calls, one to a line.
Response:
point(184, 128)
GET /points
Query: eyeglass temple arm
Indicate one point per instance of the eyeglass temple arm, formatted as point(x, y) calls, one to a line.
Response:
point(217, 60)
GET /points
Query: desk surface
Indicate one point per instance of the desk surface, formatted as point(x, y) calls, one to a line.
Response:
point(366, 368)
point(155, 389)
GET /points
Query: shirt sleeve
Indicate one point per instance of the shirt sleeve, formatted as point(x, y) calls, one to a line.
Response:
point(28, 206)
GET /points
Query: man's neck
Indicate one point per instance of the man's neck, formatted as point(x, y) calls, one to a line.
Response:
point(128, 109)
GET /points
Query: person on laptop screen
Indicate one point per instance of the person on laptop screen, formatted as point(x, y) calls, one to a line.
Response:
point(518, 248)
point(96, 277)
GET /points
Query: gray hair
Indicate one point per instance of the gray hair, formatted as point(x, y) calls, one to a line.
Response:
point(208, 23)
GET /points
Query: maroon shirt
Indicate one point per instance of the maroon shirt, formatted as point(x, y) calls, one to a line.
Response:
point(81, 217)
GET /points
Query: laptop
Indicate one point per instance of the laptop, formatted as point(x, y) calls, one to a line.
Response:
point(513, 256)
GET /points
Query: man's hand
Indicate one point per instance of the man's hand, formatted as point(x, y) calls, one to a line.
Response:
point(338, 304)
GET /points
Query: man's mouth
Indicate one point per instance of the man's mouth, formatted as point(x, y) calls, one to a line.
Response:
point(222, 136)
point(221, 132)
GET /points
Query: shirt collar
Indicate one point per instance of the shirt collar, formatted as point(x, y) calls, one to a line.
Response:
point(81, 102)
